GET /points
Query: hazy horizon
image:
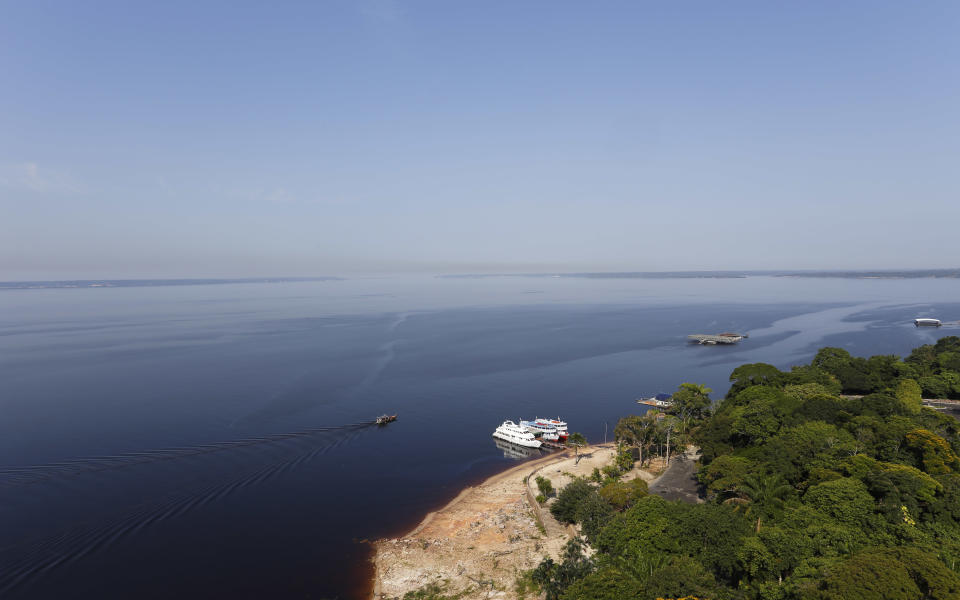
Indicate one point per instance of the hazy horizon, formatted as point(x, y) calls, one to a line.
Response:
point(232, 140)
point(949, 273)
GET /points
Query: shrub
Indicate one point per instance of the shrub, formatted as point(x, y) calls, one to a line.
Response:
point(623, 495)
point(545, 486)
point(593, 514)
point(846, 500)
point(624, 460)
point(569, 499)
point(611, 472)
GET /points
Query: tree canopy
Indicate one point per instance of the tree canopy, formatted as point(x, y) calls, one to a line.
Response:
point(828, 481)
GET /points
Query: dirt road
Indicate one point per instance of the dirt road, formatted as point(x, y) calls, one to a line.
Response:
point(679, 481)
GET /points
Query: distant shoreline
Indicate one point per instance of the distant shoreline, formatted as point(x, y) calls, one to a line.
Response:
point(115, 283)
point(847, 274)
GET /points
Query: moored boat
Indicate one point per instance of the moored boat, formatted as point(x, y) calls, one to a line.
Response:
point(548, 431)
point(515, 434)
point(544, 432)
point(712, 339)
point(561, 426)
point(658, 401)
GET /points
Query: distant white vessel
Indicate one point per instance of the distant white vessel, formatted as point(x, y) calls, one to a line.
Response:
point(513, 433)
point(921, 322)
point(710, 339)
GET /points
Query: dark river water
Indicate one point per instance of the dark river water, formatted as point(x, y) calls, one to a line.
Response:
point(211, 441)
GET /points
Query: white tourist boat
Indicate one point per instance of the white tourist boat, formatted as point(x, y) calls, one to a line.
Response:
point(922, 322)
point(544, 431)
point(560, 426)
point(513, 433)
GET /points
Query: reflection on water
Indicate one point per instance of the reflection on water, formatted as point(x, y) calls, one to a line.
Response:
point(514, 451)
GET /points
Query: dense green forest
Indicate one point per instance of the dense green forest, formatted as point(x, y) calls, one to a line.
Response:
point(829, 481)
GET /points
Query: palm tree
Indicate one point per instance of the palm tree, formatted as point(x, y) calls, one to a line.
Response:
point(691, 401)
point(640, 566)
point(576, 440)
point(766, 495)
point(700, 389)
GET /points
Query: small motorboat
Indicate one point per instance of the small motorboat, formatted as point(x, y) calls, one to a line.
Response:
point(384, 419)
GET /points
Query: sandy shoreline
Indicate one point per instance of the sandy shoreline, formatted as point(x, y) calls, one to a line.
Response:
point(484, 537)
point(512, 471)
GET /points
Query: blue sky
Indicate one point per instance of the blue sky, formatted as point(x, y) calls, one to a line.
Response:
point(242, 139)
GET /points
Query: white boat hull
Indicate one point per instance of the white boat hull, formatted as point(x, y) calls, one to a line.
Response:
point(518, 441)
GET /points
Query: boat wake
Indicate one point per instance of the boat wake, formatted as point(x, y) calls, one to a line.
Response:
point(18, 476)
point(24, 562)
point(399, 319)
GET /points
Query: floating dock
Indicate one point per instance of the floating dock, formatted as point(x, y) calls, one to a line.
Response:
point(658, 401)
point(710, 339)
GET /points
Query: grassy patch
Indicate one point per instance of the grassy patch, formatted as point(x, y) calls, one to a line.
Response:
point(435, 591)
point(525, 586)
point(539, 523)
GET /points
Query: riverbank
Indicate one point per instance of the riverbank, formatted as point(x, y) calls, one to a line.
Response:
point(484, 538)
